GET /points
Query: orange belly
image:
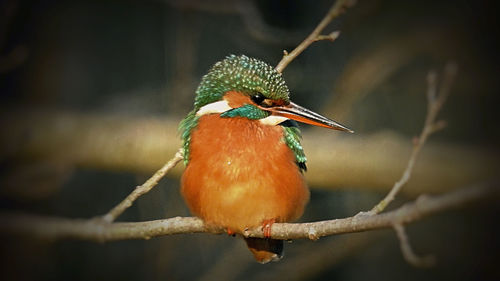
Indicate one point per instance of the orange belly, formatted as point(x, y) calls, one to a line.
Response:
point(240, 173)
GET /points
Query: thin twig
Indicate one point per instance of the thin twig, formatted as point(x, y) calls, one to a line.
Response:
point(97, 230)
point(434, 104)
point(407, 251)
point(335, 11)
point(142, 189)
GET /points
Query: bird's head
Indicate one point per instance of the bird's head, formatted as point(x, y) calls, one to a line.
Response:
point(239, 86)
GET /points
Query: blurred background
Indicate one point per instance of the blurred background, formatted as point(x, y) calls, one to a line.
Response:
point(91, 93)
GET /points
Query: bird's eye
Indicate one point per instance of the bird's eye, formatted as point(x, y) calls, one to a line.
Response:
point(258, 98)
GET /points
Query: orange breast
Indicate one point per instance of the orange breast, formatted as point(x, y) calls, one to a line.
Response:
point(241, 173)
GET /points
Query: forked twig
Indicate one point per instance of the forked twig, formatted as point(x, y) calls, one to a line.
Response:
point(435, 102)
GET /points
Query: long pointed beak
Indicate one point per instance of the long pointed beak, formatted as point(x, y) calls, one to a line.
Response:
point(304, 115)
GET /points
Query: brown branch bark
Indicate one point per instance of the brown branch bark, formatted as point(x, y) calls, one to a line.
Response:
point(97, 230)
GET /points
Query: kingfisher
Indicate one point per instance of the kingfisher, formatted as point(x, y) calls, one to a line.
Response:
point(244, 162)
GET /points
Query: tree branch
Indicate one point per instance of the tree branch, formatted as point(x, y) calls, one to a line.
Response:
point(407, 251)
point(97, 230)
point(434, 105)
point(336, 9)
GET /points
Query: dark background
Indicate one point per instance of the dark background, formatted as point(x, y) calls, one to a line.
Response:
point(145, 58)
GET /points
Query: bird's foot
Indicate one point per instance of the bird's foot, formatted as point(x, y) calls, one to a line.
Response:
point(266, 227)
point(230, 232)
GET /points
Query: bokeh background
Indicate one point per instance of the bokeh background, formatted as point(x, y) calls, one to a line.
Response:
point(91, 93)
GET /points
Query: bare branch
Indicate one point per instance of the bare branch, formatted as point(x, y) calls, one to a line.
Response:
point(434, 104)
point(142, 189)
point(98, 230)
point(335, 11)
point(407, 251)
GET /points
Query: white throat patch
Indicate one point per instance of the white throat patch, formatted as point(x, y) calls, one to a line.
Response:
point(273, 120)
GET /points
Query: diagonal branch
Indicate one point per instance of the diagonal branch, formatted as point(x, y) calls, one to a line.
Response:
point(336, 9)
point(407, 251)
point(142, 189)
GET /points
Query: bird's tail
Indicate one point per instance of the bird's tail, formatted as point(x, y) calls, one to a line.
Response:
point(265, 249)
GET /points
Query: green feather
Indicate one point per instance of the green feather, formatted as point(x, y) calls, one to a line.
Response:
point(185, 128)
point(249, 111)
point(292, 138)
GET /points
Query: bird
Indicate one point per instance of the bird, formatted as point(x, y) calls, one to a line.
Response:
point(244, 161)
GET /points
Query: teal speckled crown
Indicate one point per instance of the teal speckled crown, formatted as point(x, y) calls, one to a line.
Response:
point(241, 74)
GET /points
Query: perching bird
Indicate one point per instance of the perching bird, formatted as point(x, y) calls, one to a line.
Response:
point(242, 151)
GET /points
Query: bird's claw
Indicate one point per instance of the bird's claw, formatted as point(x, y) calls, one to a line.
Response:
point(266, 227)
